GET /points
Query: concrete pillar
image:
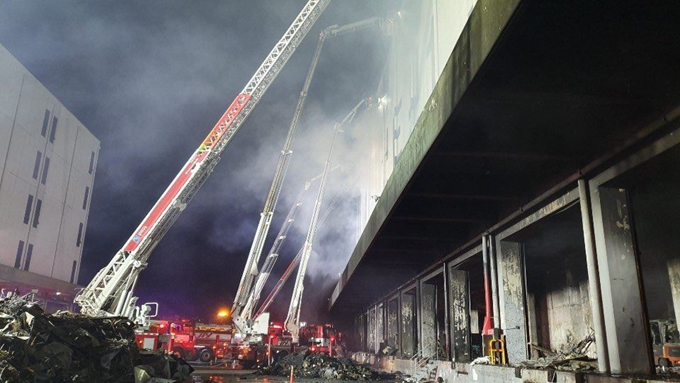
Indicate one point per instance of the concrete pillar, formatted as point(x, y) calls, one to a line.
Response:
point(511, 291)
point(362, 333)
point(379, 326)
point(674, 277)
point(459, 312)
point(593, 277)
point(532, 324)
point(625, 324)
point(428, 319)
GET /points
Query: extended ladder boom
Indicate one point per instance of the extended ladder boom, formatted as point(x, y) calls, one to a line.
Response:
point(293, 318)
point(251, 268)
point(296, 261)
point(110, 292)
point(242, 308)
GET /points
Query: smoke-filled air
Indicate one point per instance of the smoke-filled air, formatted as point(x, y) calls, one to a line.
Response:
point(150, 79)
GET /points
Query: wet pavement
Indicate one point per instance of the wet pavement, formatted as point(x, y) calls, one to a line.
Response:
point(202, 375)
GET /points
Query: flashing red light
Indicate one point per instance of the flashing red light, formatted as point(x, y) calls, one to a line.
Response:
point(332, 338)
point(313, 348)
point(162, 325)
point(276, 326)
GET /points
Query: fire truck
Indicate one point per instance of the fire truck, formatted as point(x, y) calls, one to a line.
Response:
point(111, 291)
point(188, 340)
point(317, 339)
point(320, 338)
point(282, 339)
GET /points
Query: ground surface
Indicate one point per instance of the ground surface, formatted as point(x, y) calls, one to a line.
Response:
point(216, 374)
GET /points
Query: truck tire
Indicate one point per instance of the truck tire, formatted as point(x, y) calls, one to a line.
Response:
point(179, 352)
point(206, 355)
point(664, 362)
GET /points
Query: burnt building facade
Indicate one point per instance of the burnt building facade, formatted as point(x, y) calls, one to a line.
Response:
point(531, 196)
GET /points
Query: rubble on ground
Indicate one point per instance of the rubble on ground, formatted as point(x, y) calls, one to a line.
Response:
point(60, 347)
point(322, 366)
point(573, 357)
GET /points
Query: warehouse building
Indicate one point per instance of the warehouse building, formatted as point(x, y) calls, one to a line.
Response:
point(524, 188)
point(48, 162)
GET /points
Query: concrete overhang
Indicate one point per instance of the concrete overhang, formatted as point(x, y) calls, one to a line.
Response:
point(533, 93)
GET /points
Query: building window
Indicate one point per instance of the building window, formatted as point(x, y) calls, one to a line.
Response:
point(91, 169)
point(29, 206)
point(36, 166)
point(87, 194)
point(29, 252)
point(20, 251)
point(80, 235)
point(54, 128)
point(73, 270)
point(46, 122)
point(45, 170)
point(36, 216)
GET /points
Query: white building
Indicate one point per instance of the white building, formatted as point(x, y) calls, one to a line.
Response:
point(47, 167)
point(423, 34)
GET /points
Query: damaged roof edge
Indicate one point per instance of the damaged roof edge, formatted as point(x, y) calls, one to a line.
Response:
point(483, 28)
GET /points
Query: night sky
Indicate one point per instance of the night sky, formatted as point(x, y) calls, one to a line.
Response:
point(150, 78)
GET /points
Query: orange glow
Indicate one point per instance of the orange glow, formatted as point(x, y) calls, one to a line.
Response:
point(223, 313)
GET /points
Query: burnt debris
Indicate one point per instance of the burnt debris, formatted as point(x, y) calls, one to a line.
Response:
point(574, 357)
point(306, 365)
point(69, 347)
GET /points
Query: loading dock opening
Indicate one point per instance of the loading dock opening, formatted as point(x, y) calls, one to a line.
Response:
point(557, 294)
point(434, 338)
point(651, 190)
point(467, 307)
point(409, 322)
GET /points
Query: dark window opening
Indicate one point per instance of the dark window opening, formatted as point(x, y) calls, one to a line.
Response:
point(54, 128)
point(36, 166)
point(80, 234)
point(91, 168)
point(29, 253)
point(29, 205)
point(87, 194)
point(20, 251)
point(36, 216)
point(73, 270)
point(45, 170)
point(46, 121)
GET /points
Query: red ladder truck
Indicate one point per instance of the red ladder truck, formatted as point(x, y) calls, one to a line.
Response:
point(111, 292)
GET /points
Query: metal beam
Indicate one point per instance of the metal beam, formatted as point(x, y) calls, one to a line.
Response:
point(503, 155)
point(436, 219)
point(471, 197)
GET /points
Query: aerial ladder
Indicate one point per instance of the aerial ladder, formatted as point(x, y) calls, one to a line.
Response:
point(259, 322)
point(251, 284)
point(291, 267)
point(292, 323)
point(110, 293)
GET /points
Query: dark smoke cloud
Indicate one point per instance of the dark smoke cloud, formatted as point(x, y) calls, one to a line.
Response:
point(149, 79)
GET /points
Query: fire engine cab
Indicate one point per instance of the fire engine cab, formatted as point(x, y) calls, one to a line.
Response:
point(188, 340)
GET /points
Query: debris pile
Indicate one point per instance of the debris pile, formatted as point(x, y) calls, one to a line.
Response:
point(572, 358)
point(323, 366)
point(35, 346)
